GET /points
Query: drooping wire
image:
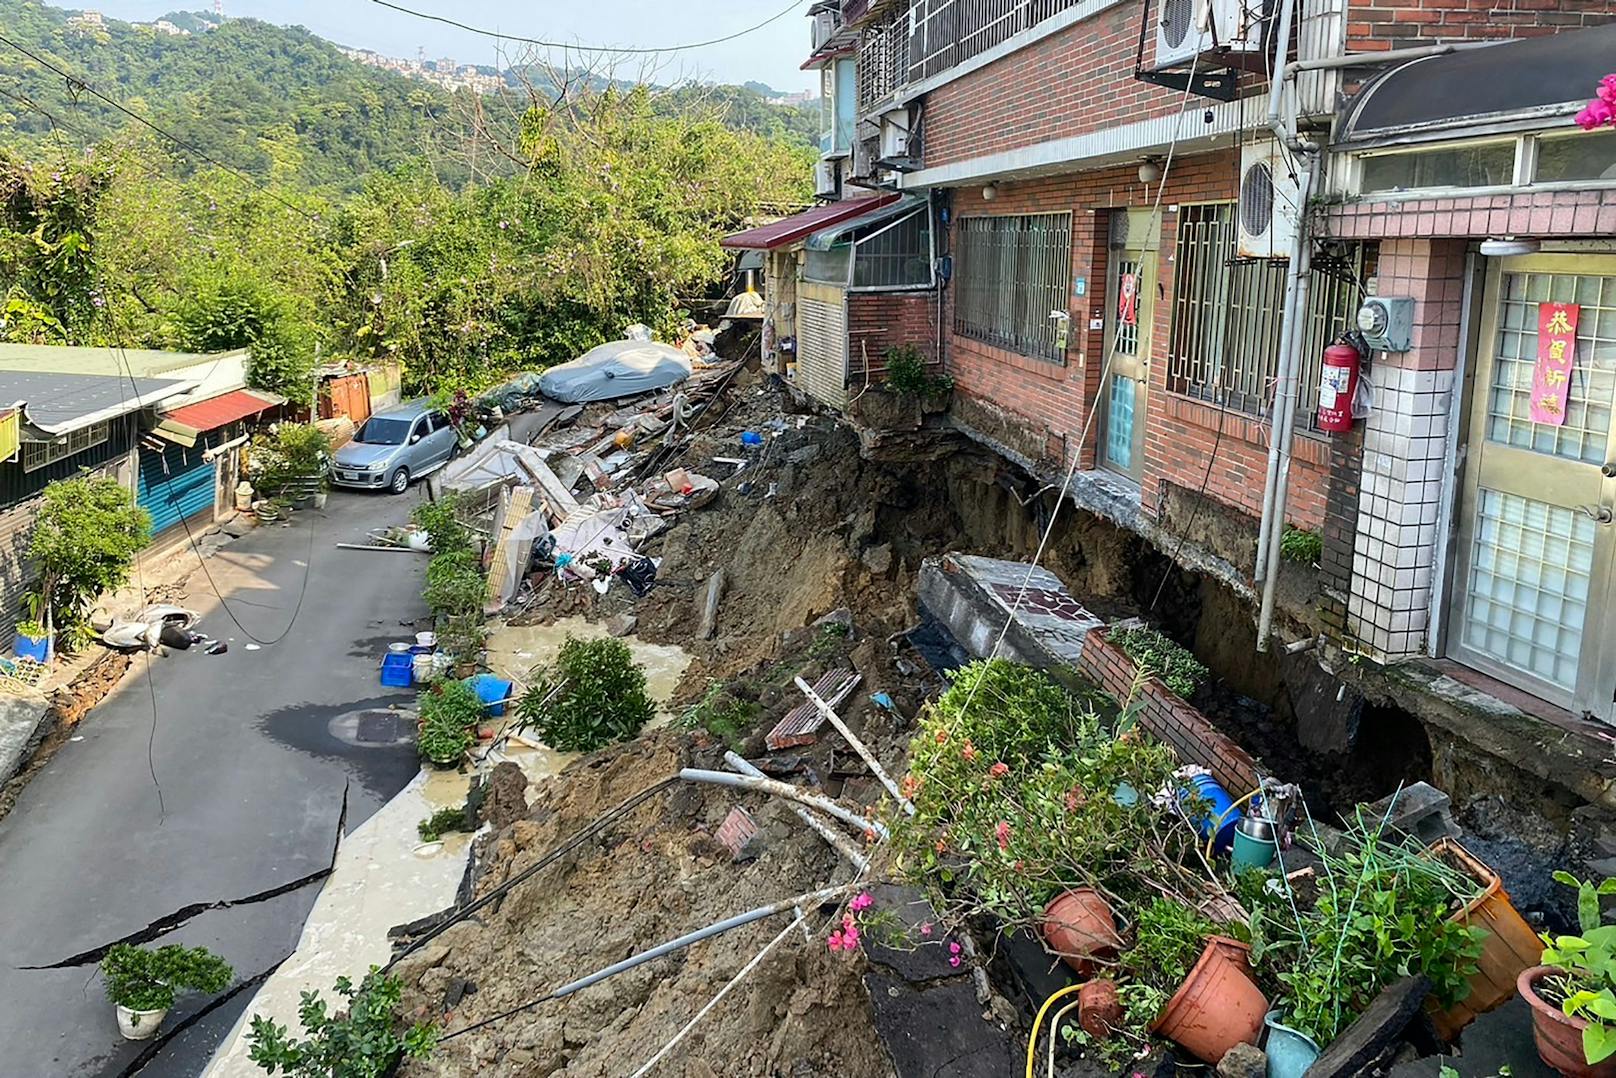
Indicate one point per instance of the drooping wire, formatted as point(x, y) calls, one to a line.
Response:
point(638, 50)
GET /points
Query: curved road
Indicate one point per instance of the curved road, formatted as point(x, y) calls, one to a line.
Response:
point(258, 753)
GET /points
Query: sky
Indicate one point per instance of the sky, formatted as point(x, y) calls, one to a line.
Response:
point(771, 55)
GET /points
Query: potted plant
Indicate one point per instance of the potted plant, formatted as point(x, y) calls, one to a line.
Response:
point(142, 983)
point(1079, 927)
point(33, 641)
point(1573, 993)
point(448, 712)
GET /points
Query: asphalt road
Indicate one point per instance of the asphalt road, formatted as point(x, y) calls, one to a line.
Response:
point(257, 754)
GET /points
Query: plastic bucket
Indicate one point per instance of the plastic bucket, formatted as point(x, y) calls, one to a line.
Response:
point(1222, 813)
point(1290, 1052)
point(32, 647)
point(493, 691)
point(1250, 851)
point(426, 639)
point(398, 648)
point(421, 668)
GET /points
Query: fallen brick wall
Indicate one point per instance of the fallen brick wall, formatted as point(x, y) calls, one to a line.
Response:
point(1166, 716)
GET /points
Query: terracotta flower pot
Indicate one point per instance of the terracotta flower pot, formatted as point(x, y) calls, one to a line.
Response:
point(1557, 1034)
point(1218, 1006)
point(1078, 926)
point(1099, 1010)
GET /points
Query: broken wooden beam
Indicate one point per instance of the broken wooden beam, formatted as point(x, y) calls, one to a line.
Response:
point(709, 606)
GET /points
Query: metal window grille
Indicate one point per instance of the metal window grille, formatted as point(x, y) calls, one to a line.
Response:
point(944, 33)
point(883, 58)
point(1010, 273)
point(896, 255)
point(37, 455)
point(1227, 315)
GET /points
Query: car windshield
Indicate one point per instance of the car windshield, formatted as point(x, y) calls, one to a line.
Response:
point(379, 431)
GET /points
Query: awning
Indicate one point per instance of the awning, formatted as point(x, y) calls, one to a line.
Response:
point(789, 230)
point(1516, 84)
point(184, 425)
point(826, 238)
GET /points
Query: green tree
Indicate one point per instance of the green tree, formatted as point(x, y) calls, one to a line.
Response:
point(85, 540)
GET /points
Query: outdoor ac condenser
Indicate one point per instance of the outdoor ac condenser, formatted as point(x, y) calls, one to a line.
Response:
point(1270, 202)
point(825, 179)
point(1208, 30)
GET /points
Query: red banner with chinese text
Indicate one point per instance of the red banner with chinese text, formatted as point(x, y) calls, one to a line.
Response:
point(1556, 352)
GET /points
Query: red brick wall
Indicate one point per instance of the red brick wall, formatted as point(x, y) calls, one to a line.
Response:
point(1069, 83)
point(1397, 24)
point(1052, 399)
point(877, 321)
point(1167, 717)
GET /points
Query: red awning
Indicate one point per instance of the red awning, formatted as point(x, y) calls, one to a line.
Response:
point(221, 410)
point(800, 226)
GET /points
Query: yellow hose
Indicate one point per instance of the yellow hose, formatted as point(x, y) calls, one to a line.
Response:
point(1217, 826)
point(1032, 1040)
point(1054, 1033)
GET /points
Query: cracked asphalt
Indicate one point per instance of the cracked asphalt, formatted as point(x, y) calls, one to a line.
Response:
point(259, 755)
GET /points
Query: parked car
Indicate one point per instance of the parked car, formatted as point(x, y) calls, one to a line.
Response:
point(394, 447)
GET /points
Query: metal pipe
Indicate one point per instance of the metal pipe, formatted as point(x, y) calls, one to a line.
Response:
point(1282, 44)
point(1294, 334)
point(1391, 56)
point(837, 840)
point(783, 789)
point(1279, 419)
point(858, 746)
point(812, 898)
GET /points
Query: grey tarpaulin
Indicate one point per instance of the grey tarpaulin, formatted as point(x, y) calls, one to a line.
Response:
point(616, 369)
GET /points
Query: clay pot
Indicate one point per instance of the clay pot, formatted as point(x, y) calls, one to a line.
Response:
point(1218, 1006)
point(1099, 1010)
point(1078, 927)
point(1557, 1034)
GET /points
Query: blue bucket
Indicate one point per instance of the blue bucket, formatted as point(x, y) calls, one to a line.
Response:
point(1223, 813)
point(1290, 1051)
point(32, 647)
point(491, 690)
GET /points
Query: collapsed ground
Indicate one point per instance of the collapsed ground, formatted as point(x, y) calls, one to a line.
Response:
point(819, 546)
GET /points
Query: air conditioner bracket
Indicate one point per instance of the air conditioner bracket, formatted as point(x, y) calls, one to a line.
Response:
point(1218, 85)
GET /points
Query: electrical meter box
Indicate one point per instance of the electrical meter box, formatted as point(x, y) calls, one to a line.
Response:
point(1387, 323)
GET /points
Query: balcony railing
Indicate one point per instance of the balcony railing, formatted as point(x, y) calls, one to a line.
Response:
point(949, 32)
point(883, 58)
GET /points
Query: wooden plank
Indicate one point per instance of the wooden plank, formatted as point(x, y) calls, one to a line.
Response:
point(531, 463)
point(709, 606)
point(516, 510)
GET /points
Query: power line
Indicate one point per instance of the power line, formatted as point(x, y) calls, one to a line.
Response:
point(76, 83)
point(588, 48)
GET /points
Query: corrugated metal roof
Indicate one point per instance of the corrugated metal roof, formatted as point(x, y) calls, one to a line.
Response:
point(136, 362)
point(58, 403)
point(192, 419)
point(800, 226)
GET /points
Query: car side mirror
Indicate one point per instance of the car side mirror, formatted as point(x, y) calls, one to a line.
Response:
point(414, 438)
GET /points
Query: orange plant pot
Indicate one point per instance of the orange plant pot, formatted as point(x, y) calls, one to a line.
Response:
point(1558, 1036)
point(1218, 1006)
point(1079, 927)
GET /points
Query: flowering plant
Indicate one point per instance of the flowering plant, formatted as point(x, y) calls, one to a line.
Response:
point(1601, 111)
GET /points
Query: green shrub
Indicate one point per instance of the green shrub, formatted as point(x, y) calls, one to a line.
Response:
point(448, 711)
point(1155, 654)
point(1299, 545)
point(441, 522)
point(148, 980)
point(906, 373)
point(286, 454)
point(600, 696)
point(454, 584)
point(462, 635)
point(362, 1039)
point(721, 713)
point(86, 535)
point(442, 822)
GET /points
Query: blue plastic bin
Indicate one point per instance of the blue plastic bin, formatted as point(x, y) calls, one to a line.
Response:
point(491, 690)
point(396, 670)
point(32, 647)
point(1207, 788)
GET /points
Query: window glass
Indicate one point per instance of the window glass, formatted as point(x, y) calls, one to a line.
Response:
point(379, 431)
point(1490, 164)
point(896, 254)
point(1587, 155)
point(1010, 273)
point(829, 266)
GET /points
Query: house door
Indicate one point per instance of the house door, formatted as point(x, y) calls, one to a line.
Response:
point(1536, 542)
point(1130, 308)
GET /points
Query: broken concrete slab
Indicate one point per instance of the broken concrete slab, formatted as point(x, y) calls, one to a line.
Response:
point(1377, 1029)
point(21, 712)
point(974, 597)
point(919, 923)
point(937, 1031)
point(1422, 810)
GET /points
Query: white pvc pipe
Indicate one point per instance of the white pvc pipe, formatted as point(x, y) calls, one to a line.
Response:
point(858, 746)
point(837, 840)
point(786, 790)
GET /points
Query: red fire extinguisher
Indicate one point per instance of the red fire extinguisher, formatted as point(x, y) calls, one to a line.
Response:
point(1337, 387)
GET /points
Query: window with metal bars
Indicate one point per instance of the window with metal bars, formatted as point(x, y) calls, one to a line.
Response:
point(37, 455)
point(1227, 315)
point(1010, 274)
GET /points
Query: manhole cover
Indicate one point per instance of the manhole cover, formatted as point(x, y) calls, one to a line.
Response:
point(374, 728)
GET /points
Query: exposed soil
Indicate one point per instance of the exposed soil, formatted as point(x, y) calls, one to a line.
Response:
point(656, 874)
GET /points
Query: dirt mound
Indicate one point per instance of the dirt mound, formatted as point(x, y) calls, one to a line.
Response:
point(654, 875)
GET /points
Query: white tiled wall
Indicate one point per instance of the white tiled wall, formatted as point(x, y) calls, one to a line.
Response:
point(1399, 499)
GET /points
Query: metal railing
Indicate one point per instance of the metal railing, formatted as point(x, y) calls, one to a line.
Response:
point(1010, 273)
point(883, 58)
point(949, 32)
point(1227, 314)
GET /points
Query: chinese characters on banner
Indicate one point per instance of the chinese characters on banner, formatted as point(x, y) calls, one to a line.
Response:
point(1556, 347)
point(1128, 299)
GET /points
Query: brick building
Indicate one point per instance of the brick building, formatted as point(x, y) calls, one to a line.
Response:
point(1125, 195)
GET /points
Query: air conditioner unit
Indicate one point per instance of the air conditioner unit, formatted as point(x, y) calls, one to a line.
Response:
point(824, 28)
point(863, 159)
point(895, 132)
point(825, 185)
point(1210, 30)
point(1270, 202)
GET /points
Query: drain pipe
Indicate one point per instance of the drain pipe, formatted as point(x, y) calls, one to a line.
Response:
point(838, 841)
point(786, 790)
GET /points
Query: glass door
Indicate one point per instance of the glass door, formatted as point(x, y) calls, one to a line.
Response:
point(1130, 292)
point(1536, 543)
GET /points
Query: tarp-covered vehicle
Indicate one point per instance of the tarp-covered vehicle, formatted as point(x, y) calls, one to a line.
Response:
point(616, 369)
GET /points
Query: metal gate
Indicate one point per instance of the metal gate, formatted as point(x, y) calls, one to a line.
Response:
point(175, 485)
point(822, 342)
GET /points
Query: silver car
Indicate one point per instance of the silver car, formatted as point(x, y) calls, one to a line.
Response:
point(394, 447)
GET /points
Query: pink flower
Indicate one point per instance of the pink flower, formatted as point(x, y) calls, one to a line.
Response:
point(999, 769)
point(1001, 831)
point(925, 929)
point(955, 961)
point(969, 750)
point(850, 934)
point(1598, 113)
point(953, 948)
point(1607, 89)
point(836, 942)
point(861, 901)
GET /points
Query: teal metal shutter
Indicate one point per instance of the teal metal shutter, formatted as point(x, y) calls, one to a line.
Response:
point(184, 490)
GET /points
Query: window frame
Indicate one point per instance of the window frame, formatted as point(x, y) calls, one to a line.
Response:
point(1014, 338)
point(1524, 175)
point(63, 446)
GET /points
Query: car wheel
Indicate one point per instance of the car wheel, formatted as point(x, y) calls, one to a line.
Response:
point(401, 481)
